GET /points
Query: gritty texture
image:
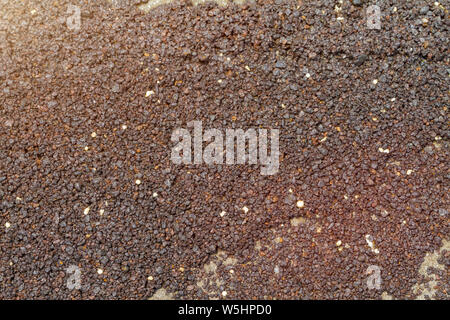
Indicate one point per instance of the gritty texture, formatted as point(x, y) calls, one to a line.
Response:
point(86, 179)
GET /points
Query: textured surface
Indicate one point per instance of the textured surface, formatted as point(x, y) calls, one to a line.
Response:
point(363, 120)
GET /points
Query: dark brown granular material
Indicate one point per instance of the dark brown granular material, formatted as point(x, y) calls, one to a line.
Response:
point(363, 120)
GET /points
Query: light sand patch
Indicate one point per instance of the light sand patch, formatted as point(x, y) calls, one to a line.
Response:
point(208, 280)
point(430, 260)
point(386, 296)
point(295, 222)
point(161, 294)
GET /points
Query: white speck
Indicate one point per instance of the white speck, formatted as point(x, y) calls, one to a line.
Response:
point(33, 11)
point(323, 139)
point(102, 211)
point(290, 191)
point(371, 244)
point(10, 263)
point(437, 138)
point(276, 269)
point(339, 18)
point(149, 278)
point(219, 81)
point(149, 93)
point(138, 182)
point(307, 75)
point(86, 148)
point(124, 127)
point(383, 150)
point(395, 9)
point(245, 209)
point(424, 20)
point(369, 240)
point(231, 271)
point(224, 293)
point(345, 197)
point(100, 271)
point(338, 243)
point(300, 204)
point(393, 99)
point(222, 213)
point(375, 81)
point(86, 211)
point(436, 3)
point(7, 225)
point(228, 59)
point(154, 194)
point(247, 68)
point(409, 172)
point(93, 134)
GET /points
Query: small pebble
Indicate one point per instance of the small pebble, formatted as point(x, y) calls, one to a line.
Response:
point(383, 150)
